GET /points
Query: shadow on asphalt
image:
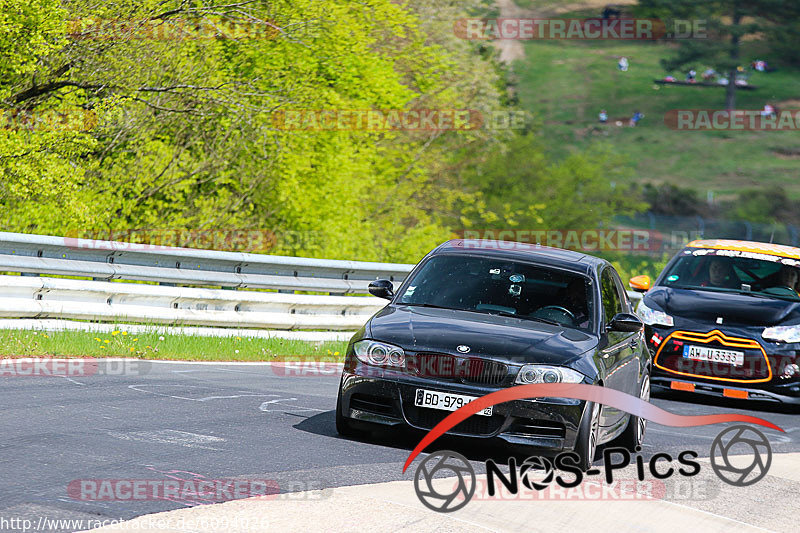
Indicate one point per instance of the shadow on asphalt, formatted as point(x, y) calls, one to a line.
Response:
point(755, 407)
point(404, 438)
point(479, 449)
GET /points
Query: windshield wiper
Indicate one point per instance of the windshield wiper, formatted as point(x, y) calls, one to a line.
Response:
point(545, 320)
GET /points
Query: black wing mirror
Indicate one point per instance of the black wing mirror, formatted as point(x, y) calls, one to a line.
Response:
point(625, 322)
point(382, 288)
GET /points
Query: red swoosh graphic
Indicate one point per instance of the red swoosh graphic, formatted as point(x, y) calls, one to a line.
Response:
point(578, 391)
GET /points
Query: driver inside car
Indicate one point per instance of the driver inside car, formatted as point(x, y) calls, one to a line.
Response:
point(788, 278)
point(721, 274)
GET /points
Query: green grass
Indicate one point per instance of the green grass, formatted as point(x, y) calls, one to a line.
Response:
point(567, 83)
point(15, 343)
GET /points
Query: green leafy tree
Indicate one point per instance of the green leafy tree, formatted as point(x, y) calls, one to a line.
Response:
point(187, 134)
point(524, 188)
point(769, 205)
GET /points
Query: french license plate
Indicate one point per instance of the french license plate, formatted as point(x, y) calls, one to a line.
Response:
point(713, 355)
point(445, 401)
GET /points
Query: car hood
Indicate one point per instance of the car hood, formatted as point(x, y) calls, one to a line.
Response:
point(422, 329)
point(731, 307)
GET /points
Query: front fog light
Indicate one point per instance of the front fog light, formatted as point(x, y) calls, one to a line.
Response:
point(547, 374)
point(379, 353)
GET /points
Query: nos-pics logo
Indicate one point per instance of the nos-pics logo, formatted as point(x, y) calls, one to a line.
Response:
point(740, 456)
point(725, 455)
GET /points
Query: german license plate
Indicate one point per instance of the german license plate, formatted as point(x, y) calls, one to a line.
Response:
point(445, 401)
point(713, 355)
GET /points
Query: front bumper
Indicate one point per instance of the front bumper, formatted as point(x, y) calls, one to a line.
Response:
point(760, 378)
point(787, 393)
point(549, 424)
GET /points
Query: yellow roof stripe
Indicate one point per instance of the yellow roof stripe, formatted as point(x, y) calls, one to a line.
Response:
point(779, 250)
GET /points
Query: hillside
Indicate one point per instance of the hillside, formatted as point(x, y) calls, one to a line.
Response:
point(566, 84)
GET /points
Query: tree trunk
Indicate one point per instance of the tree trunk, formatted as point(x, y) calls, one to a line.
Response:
point(730, 91)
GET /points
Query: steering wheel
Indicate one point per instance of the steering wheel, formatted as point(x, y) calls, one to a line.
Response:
point(557, 308)
point(778, 289)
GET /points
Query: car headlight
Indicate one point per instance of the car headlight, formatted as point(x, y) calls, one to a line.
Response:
point(782, 333)
point(379, 353)
point(651, 317)
point(547, 374)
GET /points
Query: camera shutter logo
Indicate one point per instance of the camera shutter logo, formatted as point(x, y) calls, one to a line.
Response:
point(449, 463)
point(732, 442)
point(533, 466)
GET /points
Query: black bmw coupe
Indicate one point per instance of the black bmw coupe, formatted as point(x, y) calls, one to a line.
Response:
point(477, 316)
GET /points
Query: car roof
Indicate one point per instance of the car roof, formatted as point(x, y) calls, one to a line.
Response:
point(537, 253)
point(779, 250)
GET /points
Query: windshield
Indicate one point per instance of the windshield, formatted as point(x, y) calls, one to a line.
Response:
point(502, 287)
point(734, 271)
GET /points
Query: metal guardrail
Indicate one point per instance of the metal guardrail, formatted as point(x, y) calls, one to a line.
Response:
point(110, 260)
point(34, 296)
point(207, 301)
point(40, 297)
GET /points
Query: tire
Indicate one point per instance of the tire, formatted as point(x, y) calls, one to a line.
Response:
point(633, 436)
point(588, 433)
point(343, 425)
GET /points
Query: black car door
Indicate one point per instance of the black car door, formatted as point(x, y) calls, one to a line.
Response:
point(630, 361)
point(615, 356)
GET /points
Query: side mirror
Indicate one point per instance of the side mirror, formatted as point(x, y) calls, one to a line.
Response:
point(625, 322)
point(382, 288)
point(640, 283)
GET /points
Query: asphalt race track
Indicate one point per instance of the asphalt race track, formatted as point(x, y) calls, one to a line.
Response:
point(242, 421)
